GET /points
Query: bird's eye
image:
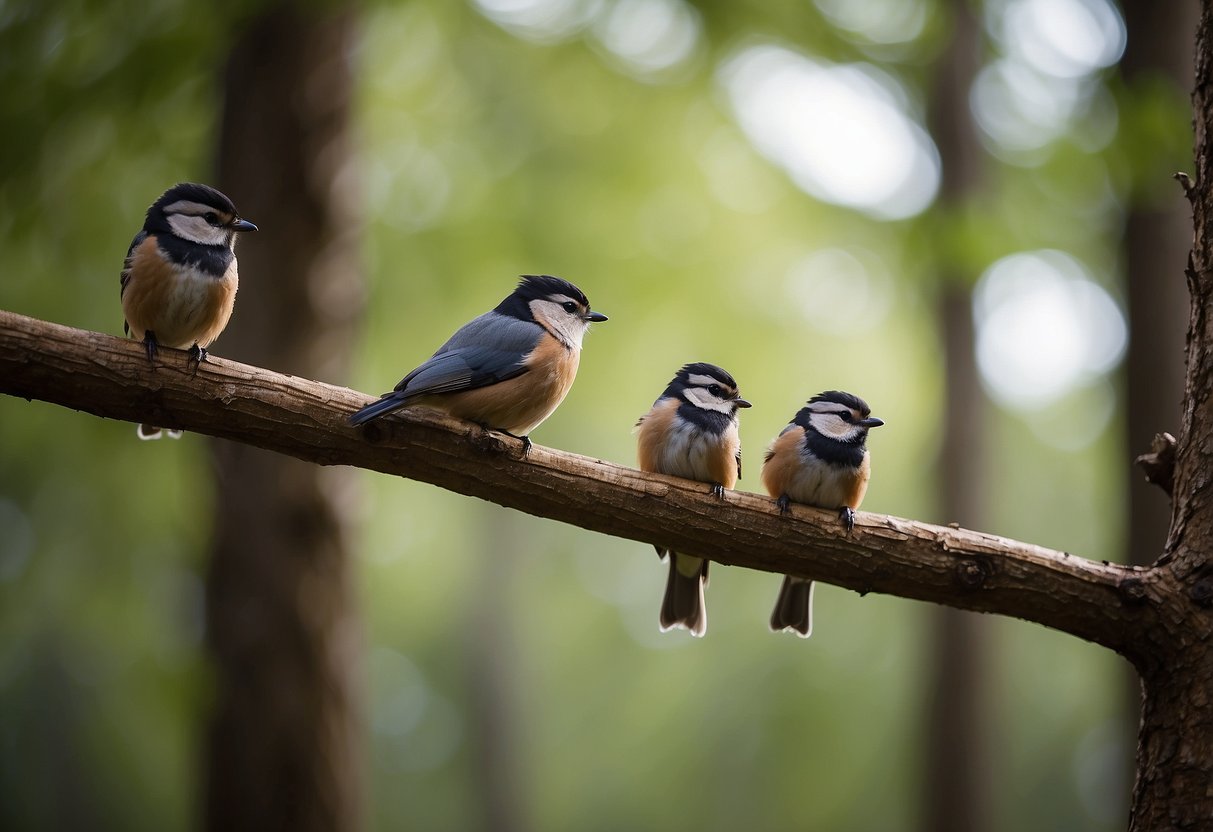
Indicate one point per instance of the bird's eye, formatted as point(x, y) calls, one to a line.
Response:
point(846, 417)
point(211, 217)
point(569, 306)
point(714, 389)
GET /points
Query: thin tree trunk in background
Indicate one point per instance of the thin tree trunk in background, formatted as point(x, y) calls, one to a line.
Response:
point(284, 747)
point(1158, 237)
point(491, 650)
point(956, 790)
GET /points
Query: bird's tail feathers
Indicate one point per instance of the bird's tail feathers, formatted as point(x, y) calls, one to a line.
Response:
point(683, 604)
point(153, 432)
point(374, 410)
point(794, 607)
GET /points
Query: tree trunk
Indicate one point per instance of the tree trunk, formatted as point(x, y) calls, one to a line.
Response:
point(1156, 240)
point(1174, 654)
point(495, 688)
point(285, 738)
point(956, 794)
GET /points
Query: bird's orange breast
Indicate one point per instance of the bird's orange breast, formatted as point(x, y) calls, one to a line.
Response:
point(181, 305)
point(669, 445)
point(522, 403)
point(805, 479)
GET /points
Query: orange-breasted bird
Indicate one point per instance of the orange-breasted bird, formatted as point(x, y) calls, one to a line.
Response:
point(691, 432)
point(820, 459)
point(506, 370)
point(179, 280)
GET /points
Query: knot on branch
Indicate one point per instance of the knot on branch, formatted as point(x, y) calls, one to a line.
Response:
point(971, 573)
point(375, 431)
point(1132, 591)
point(1159, 463)
point(1201, 592)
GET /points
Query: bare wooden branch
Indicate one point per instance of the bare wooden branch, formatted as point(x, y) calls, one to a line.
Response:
point(1185, 182)
point(1159, 463)
point(110, 377)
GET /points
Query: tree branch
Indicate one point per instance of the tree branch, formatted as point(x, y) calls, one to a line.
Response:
point(107, 376)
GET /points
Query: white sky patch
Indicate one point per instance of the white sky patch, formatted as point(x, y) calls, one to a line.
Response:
point(828, 280)
point(541, 21)
point(1044, 328)
point(649, 37)
point(1045, 79)
point(839, 132)
point(1062, 38)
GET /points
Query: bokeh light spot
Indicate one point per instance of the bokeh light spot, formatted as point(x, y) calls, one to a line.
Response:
point(1043, 328)
point(839, 131)
point(540, 21)
point(1063, 38)
point(649, 37)
point(877, 21)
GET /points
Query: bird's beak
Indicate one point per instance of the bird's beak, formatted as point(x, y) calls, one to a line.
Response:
point(741, 402)
point(596, 317)
point(243, 225)
point(873, 422)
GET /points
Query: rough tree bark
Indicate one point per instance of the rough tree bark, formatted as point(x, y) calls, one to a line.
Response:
point(1175, 655)
point(1156, 243)
point(284, 747)
point(956, 792)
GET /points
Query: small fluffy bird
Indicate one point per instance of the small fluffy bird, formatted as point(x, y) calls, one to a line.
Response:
point(506, 370)
point(691, 431)
point(820, 459)
point(179, 280)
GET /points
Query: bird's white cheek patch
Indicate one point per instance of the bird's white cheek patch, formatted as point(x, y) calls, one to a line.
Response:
point(568, 327)
point(703, 399)
point(833, 427)
point(196, 230)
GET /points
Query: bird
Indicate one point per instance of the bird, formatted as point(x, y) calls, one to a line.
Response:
point(180, 277)
point(820, 459)
point(508, 369)
point(691, 431)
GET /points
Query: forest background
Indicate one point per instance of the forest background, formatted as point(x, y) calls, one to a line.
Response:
point(961, 212)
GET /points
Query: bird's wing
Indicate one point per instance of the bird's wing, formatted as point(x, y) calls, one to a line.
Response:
point(487, 350)
point(126, 264)
point(126, 273)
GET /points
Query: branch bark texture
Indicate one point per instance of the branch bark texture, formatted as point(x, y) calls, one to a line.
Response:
point(1104, 603)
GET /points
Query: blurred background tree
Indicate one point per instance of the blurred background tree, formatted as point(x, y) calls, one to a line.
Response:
point(777, 187)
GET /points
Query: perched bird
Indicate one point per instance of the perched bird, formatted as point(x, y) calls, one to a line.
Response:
point(820, 459)
point(506, 370)
point(691, 431)
point(179, 279)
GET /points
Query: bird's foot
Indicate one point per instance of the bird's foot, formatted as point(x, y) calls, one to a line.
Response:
point(195, 357)
point(784, 503)
point(718, 491)
point(847, 515)
point(152, 346)
point(525, 440)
